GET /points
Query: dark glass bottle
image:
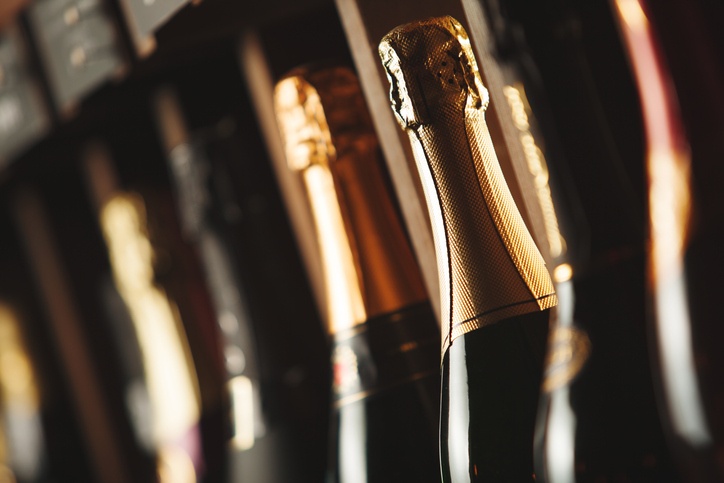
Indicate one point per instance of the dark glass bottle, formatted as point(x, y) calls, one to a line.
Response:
point(675, 50)
point(205, 205)
point(495, 289)
point(383, 330)
point(64, 248)
point(160, 311)
point(40, 434)
point(276, 372)
point(597, 417)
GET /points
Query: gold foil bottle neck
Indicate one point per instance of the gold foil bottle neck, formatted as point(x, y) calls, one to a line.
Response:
point(328, 137)
point(489, 266)
point(431, 61)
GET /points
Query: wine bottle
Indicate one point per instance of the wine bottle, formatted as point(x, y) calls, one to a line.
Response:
point(115, 455)
point(134, 230)
point(201, 206)
point(597, 416)
point(495, 290)
point(40, 437)
point(231, 191)
point(383, 330)
point(678, 74)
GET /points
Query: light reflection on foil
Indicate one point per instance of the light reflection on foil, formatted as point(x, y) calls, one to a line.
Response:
point(344, 295)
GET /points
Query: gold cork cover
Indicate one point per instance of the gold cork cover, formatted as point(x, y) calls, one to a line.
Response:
point(328, 137)
point(489, 266)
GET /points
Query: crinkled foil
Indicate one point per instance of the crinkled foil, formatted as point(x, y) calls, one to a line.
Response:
point(490, 268)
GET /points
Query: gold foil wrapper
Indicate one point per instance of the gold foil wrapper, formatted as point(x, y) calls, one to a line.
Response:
point(328, 137)
point(489, 266)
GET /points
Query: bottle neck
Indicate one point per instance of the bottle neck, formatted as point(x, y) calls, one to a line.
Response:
point(368, 265)
point(345, 305)
point(489, 266)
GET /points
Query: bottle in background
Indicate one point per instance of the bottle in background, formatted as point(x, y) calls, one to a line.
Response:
point(675, 52)
point(231, 216)
point(134, 229)
point(204, 207)
point(383, 331)
point(90, 358)
point(597, 413)
point(40, 436)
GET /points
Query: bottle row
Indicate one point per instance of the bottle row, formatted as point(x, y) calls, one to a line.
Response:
point(157, 324)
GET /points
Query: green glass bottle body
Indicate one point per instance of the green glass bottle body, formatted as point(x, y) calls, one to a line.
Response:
point(490, 382)
point(386, 392)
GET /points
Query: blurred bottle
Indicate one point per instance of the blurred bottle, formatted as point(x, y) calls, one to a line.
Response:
point(383, 331)
point(597, 415)
point(495, 290)
point(205, 209)
point(234, 222)
point(165, 309)
point(88, 360)
point(40, 438)
point(676, 56)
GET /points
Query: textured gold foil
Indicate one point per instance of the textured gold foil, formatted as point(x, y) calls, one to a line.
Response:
point(489, 266)
point(328, 136)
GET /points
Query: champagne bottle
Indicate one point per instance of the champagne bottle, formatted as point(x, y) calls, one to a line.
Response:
point(383, 330)
point(201, 206)
point(597, 416)
point(86, 351)
point(495, 290)
point(677, 65)
point(176, 377)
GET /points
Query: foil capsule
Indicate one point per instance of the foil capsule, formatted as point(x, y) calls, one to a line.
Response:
point(489, 266)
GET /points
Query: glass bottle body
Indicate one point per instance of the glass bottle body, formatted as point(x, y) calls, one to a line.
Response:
point(387, 386)
point(490, 382)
